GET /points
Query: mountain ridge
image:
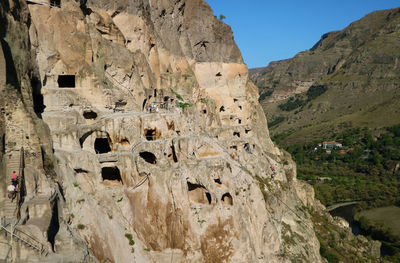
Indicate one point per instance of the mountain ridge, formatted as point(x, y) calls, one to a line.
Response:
point(358, 62)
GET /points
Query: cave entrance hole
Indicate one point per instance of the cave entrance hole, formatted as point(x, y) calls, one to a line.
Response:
point(54, 224)
point(111, 174)
point(102, 145)
point(150, 134)
point(148, 157)
point(66, 81)
point(38, 102)
point(227, 199)
point(89, 115)
point(199, 194)
point(144, 104)
point(174, 157)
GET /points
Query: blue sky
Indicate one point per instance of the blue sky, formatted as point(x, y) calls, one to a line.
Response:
point(268, 30)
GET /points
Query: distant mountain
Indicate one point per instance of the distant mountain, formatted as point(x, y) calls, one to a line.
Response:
point(350, 78)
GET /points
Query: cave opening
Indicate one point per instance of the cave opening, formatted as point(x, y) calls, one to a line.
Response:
point(174, 157)
point(150, 134)
point(148, 157)
point(221, 109)
point(80, 171)
point(66, 81)
point(198, 193)
point(38, 102)
point(144, 103)
point(54, 224)
point(90, 115)
point(56, 3)
point(236, 134)
point(246, 146)
point(125, 141)
point(217, 181)
point(102, 145)
point(227, 199)
point(3, 144)
point(111, 174)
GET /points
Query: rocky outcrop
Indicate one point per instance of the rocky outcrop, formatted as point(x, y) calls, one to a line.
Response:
point(147, 144)
point(357, 66)
point(363, 48)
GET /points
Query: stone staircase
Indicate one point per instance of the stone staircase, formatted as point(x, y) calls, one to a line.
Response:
point(9, 207)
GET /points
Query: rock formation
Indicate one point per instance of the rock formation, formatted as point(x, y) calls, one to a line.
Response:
point(138, 138)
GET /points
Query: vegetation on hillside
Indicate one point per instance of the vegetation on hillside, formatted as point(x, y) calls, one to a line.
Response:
point(366, 168)
point(390, 241)
point(358, 75)
point(293, 103)
point(336, 243)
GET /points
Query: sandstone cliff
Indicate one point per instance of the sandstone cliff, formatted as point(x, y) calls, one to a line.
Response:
point(139, 138)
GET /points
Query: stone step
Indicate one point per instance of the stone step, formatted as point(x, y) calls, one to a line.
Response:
point(8, 208)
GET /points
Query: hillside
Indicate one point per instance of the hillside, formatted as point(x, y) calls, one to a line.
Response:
point(355, 76)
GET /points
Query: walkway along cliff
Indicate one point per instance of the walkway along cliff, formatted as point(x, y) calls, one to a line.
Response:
point(107, 180)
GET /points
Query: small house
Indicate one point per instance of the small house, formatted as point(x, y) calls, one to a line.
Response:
point(331, 145)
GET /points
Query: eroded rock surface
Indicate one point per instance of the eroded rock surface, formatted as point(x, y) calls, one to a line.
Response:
point(151, 145)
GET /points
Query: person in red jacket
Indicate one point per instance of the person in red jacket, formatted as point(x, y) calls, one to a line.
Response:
point(14, 177)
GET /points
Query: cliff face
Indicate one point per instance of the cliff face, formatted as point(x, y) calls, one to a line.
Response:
point(357, 65)
point(142, 138)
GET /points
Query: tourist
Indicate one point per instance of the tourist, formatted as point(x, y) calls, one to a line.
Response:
point(14, 180)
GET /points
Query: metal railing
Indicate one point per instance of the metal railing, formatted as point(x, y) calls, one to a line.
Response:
point(43, 3)
point(23, 237)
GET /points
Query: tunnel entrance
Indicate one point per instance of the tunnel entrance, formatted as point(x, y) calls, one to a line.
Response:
point(148, 157)
point(102, 145)
point(199, 194)
point(66, 81)
point(111, 174)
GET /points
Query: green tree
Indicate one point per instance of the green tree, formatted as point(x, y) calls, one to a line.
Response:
point(222, 17)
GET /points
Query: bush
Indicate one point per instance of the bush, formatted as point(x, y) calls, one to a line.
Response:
point(183, 105)
point(81, 226)
point(276, 121)
point(315, 91)
point(264, 95)
point(292, 104)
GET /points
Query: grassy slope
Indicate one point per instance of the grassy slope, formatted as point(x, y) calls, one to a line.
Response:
point(363, 89)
